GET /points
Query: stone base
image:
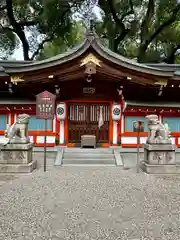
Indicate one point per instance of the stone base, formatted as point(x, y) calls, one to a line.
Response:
point(178, 168)
point(18, 168)
point(16, 153)
point(16, 158)
point(159, 168)
point(162, 154)
point(160, 147)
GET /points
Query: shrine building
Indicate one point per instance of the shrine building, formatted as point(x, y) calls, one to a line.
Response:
point(98, 92)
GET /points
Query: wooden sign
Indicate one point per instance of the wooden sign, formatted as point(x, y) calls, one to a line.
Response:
point(89, 90)
point(138, 126)
point(45, 105)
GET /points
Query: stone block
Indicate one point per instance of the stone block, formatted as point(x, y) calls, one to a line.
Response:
point(18, 168)
point(159, 159)
point(158, 169)
point(159, 154)
point(178, 168)
point(159, 147)
point(16, 154)
point(16, 158)
point(88, 141)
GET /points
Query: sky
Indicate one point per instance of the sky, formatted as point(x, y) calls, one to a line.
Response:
point(18, 54)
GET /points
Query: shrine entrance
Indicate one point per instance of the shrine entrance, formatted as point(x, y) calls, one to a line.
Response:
point(88, 119)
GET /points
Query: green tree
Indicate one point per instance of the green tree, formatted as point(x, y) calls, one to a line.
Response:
point(144, 25)
point(148, 30)
point(72, 38)
point(33, 23)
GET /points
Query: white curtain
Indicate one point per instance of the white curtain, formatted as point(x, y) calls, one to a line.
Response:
point(101, 120)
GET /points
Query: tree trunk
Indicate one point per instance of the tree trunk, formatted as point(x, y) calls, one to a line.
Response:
point(145, 39)
point(25, 45)
point(171, 59)
point(141, 53)
point(17, 29)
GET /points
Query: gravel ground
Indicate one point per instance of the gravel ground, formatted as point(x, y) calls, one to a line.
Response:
point(7, 177)
point(86, 203)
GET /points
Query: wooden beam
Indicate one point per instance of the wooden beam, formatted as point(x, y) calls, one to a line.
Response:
point(33, 76)
point(124, 73)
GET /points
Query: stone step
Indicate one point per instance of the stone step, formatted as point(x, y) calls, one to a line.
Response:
point(93, 161)
point(85, 156)
point(88, 150)
point(88, 155)
point(89, 165)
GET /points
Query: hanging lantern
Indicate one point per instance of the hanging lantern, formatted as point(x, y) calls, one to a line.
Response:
point(89, 78)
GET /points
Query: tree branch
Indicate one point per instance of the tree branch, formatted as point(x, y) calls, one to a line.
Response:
point(115, 17)
point(6, 28)
point(131, 11)
point(119, 23)
point(145, 44)
point(147, 19)
point(48, 39)
point(17, 29)
point(27, 23)
point(166, 23)
point(41, 46)
point(2, 8)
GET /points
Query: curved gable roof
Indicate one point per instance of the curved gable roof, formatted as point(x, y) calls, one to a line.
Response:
point(91, 40)
point(2, 72)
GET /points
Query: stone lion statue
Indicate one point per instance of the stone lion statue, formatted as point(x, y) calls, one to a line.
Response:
point(158, 132)
point(18, 131)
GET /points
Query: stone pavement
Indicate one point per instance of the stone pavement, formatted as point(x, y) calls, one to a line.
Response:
point(90, 203)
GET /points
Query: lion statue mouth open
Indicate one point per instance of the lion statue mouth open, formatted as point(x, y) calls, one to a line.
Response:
point(18, 131)
point(158, 132)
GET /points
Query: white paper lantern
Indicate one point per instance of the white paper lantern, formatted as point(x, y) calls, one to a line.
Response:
point(116, 112)
point(61, 111)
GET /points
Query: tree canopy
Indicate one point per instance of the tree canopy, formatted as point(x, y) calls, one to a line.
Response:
point(59, 45)
point(144, 29)
point(33, 23)
point(148, 30)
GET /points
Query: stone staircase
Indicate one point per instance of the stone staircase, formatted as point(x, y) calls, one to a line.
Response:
point(86, 156)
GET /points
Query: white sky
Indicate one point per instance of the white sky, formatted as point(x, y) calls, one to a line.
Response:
point(18, 55)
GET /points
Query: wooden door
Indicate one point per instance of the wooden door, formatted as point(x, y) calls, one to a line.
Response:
point(83, 119)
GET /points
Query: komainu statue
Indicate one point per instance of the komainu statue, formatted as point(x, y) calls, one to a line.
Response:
point(158, 132)
point(18, 132)
point(159, 152)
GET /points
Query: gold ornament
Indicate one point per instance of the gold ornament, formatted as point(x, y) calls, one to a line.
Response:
point(90, 62)
point(16, 79)
point(90, 58)
point(162, 83)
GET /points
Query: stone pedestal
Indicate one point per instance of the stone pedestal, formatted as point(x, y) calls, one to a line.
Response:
point(16, 158)
point(159, 158)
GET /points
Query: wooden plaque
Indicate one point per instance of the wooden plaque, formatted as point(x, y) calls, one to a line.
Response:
point(45, 105)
